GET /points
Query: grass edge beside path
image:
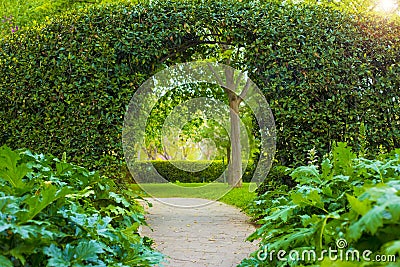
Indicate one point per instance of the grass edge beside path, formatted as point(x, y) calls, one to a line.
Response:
point(237, 197)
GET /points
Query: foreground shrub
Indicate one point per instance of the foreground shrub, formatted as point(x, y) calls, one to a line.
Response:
point(354, 199)
point(53, 213)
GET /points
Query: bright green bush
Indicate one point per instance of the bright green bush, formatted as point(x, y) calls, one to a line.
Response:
point(53, 213)
point(26, 13)
point(65, 86)
point(345, 197)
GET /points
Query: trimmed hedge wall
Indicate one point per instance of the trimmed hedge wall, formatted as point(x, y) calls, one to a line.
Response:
point(215, 169)
point(277, 177)
point(65, 86)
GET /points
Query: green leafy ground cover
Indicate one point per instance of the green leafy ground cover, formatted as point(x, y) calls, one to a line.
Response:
point(53, 213)
point(239, 197)
point(344, 197)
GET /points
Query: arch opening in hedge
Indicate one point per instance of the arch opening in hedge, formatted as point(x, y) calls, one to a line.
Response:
point(65, 85)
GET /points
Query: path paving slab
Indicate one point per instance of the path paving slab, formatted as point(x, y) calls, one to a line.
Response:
point(195, 232)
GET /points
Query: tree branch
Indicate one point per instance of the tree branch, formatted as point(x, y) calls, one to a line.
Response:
point(245, 90)
point(216, 75)
point(238, 80)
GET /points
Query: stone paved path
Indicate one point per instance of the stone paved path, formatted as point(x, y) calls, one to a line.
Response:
point(191, 235)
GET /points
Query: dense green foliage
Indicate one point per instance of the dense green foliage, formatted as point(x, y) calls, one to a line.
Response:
point(278, 176)
point(65, 86)
point(345, 197)
point(53, 213)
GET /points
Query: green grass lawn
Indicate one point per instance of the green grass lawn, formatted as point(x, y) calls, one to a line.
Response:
point(239, 197)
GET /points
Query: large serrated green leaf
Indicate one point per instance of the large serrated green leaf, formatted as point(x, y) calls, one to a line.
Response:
point(306, 174)
point(56, 257)
point(392, 247)
point(370, 222)
point(119, 199)
point(306, 220)
point(293, 238)
point(326, 169)
point(281, 213)
point(310, 197)
point(131, 233)
point(4, 262)
point(87, 250)
point(37, 203)
point(22, 250)
point(361, 207)
point(342, 159)
point(10, 170)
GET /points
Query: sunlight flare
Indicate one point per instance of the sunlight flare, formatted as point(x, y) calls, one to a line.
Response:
point(387, 6)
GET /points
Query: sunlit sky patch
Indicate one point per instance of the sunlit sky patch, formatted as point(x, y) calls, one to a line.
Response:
point(387, 6)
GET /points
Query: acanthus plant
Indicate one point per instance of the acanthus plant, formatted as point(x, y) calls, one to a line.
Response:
point(53, 213)
point(345, 197)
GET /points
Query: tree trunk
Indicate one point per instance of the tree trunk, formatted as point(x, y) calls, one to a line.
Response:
point(235, 166)
point(228, 154)
point(235, 159)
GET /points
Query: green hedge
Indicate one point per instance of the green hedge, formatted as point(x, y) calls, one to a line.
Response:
point(25, 13)
point(186, 171)
point(65, 86)
point(278, 176)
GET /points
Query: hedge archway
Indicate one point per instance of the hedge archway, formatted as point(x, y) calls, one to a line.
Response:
point(65, 86)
